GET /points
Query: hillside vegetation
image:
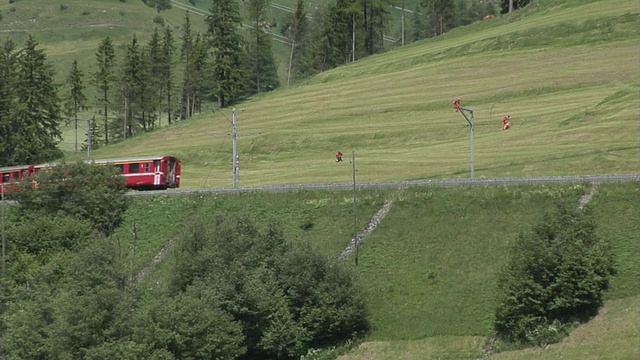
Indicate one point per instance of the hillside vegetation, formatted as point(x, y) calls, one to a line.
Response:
point(430, 268)
point(566, 73)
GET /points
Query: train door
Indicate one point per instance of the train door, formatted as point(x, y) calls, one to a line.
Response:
point(171, 172)
point(156, 173)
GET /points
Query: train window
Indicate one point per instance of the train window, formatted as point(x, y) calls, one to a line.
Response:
point(6, 177)
point(120, 168)
point(147, 167)
point(157, 165)
point(134, 168)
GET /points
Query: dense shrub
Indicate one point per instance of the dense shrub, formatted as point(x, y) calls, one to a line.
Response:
point(556, 278)
point(286, 298)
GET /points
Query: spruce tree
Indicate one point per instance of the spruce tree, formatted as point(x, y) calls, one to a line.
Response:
point(154, 82)
point(297, 28)
point(261, 65)
point(189, 78)
point(8, 122)
point(166, 69)
point(75, 100)
point(131, 81)
point(38, 107)
point(223, 25)
point(104, 78)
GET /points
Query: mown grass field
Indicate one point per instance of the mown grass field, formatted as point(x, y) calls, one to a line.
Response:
point(567, 75)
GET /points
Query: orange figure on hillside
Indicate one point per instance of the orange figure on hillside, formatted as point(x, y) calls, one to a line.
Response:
point(456, 104)
point(338, 156)
point(506, 124)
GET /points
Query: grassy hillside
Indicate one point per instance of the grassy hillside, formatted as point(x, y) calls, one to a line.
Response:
point(566, 74)
point(429, 270)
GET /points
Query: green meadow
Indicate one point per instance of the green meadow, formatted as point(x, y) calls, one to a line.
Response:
point(566, 71)
point(429, 270)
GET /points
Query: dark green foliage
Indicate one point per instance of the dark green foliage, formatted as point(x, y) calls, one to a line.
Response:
point(166, 70)
point(557, 276)
point(133, 84)
point(194, 53)
point(75, 101)
point(68, 307)
point(442, 16)
point(296, 29)
point(262, 67)
point(54, 234)
point(286, 298)
point(8, 121)
point(104, 78)
point(37, 108)
point(517, 4)
point(159, 5)
point(85, 192)
point(223, 26)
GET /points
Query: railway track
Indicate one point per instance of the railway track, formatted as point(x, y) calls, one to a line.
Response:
point(592, 179)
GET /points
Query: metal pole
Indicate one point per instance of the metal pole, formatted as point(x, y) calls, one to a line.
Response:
point(4, 239)
point(76, 126)
point(355, 207)
point(471, 139)
point(235, 150)
point(89, 140)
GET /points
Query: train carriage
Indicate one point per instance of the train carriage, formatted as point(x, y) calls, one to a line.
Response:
point(147, 173)
point(10, 176)
point(141, 173)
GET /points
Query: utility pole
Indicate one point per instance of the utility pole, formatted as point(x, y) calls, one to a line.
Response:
point(76, 126)
point(355, 207)
point(89, 139)
point(470, 120)
point(235, 149)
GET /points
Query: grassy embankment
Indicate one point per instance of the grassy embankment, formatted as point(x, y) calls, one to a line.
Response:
point(429, 270)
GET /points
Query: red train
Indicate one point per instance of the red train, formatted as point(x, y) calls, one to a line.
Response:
point(141, 173)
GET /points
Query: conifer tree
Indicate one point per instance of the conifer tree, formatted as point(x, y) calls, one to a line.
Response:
point(155, 82)
point(132, 78)
point(187, 50)
point(104, 78)
point(8, 123)
point(166, 69)
point(261, 65)
point(37, 108)
point(75, 100)
point(223, 25)
point(442, 15)
point(297, 27)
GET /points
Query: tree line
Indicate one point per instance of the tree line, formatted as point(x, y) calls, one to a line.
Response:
point(170, 77)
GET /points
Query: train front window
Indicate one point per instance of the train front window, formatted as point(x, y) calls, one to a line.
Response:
point(157, 165)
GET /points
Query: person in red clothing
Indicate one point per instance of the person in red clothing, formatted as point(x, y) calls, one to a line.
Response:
point(338, 156)
point(506, 124)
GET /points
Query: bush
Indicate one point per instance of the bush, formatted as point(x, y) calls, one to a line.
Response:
point(287, 298)
point(557, 277)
